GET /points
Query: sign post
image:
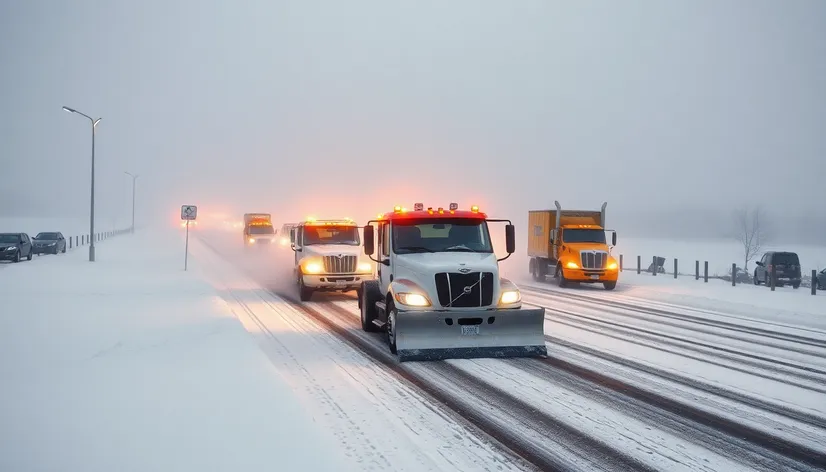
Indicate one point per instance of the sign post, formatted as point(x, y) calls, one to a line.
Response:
point(188, 213)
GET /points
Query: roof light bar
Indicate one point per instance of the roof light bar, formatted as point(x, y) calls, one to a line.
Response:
point(474, 209)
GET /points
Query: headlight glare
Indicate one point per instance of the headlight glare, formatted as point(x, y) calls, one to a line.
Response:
point(510, 297)
point(412, 299)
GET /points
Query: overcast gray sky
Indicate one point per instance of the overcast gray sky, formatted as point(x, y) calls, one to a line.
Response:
point(347, 107)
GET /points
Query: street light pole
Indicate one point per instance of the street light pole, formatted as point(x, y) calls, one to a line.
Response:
point(92, 204)
point(134, 178)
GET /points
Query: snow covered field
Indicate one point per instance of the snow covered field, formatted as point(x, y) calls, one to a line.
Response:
point(130, 363)
point(720, 254)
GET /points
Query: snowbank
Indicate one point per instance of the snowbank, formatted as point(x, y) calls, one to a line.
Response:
point(130, 363)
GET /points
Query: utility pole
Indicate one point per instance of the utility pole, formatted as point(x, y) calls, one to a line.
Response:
point(134, 179)
point(92, 204)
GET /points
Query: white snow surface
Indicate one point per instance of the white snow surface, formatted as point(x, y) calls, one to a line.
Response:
point(130, 363)
point(384, 423)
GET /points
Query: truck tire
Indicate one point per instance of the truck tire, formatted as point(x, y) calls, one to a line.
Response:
point(370, 294)
point(609, 285)
point(563, 282)
point(390, 331)
point(304, 293)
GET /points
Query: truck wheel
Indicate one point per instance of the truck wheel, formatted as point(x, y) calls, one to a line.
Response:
point(391, 328)
point(796, 285)
point(367, 303)
point(561, 277)
point(756, 280)
point(304, 293)
point(609, 285)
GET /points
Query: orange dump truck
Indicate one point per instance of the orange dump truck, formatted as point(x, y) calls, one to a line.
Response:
point(571, 246)
point(258, 229)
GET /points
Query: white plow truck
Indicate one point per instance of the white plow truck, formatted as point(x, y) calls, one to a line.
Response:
point(327, 257)
point(438, 294)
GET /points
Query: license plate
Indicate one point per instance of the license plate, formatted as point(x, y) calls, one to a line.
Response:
point(594, 277)
point(470, 330)
point(341, 282)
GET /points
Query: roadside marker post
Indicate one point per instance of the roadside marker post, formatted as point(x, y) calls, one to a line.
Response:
point(188, 213)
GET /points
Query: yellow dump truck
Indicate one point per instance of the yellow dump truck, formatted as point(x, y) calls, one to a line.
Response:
point(571, 245)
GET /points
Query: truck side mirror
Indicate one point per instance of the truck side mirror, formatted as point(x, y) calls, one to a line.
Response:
point(510, 238)
point(369, 240)
point(614, 239)
point(553, 235)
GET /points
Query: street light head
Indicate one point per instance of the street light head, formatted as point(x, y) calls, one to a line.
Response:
point(69, 110)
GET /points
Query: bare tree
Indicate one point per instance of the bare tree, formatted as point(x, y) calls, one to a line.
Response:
point(750, 232)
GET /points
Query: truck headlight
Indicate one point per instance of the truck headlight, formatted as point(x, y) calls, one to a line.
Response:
point(252, 240)
point(364, 267)
point(313, 268)
point(412, 299)
point(510, 297)
point(571, 265)
point(612, 265)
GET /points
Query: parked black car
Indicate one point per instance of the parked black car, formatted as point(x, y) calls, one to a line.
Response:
point(15, 246)
point(786, 266)
point(49, 243)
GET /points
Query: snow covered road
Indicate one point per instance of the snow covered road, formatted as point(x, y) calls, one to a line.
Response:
point(590, 405)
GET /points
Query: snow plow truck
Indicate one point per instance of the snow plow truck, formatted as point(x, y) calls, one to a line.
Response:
point(438, 293)
point(571, 245)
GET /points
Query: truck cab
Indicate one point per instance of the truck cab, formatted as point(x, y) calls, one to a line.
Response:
point(438, 293)
point(327, 257)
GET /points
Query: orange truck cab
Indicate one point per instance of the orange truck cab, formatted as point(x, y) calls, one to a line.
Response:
point(571, 246)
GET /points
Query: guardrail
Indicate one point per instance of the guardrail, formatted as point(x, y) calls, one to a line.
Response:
point(73, 242)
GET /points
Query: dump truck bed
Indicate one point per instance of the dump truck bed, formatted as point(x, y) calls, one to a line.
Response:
point(540, 223)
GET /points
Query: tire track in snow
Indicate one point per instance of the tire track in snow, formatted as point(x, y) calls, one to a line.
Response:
point(521, 426)
point(757, 446)
point(651, 307)
point(635, 335)
point(379, 383)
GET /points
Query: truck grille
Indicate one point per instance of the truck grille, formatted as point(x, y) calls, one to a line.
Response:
point(339, 265)
point(450, 285)
point(594, 259)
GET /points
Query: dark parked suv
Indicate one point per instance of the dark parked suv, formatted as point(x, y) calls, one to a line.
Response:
point(786, 266)
point(15, 246)
point(49, 243)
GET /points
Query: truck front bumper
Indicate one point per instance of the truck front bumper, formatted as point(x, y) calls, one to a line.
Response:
point(591, 275)
point(335, 282)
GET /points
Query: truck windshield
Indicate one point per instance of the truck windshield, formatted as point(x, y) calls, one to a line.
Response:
point(261, 229)
point(331, 235)
point(441, 235)
point(583, 236)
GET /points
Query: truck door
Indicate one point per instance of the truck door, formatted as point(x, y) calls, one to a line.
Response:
point(384, 273)
point(298, 241)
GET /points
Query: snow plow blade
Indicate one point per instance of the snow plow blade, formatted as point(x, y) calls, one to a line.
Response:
point(427, 336)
